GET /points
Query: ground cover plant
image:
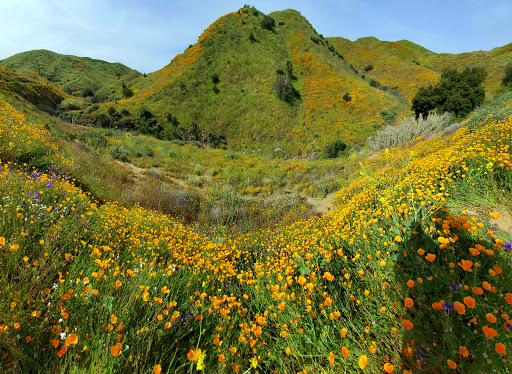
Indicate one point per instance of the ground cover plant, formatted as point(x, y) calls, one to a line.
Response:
point(410, 273)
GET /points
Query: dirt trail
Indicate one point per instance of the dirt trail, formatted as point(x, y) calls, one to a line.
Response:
point(322, 206)
point(504, 222)
point(319, 205)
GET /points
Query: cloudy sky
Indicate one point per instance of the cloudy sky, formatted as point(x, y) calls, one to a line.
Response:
point(146, 34)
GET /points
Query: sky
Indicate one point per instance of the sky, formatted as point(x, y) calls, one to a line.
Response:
point(146, 35)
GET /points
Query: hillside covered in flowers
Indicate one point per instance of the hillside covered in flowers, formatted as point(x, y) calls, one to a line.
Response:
point(411, 272)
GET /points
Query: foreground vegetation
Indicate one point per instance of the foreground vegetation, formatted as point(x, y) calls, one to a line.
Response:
point(410, 273)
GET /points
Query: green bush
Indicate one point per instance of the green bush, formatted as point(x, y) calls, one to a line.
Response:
point(285, 90)
point(457, 93)
point(268, 23)
point(347, 97)
point(127, 92)
point(72, 104)
point(507, 78)
point(334, 149)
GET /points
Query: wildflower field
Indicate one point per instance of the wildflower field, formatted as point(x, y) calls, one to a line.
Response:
point(410, 273)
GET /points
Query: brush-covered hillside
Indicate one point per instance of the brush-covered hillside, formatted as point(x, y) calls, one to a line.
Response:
point(409, 66)
point(80, 76)
point(263, 83)
point(410, 272)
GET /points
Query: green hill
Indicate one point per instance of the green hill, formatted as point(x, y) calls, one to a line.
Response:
point(411, 66)
point(248, 60)
point(74, 74)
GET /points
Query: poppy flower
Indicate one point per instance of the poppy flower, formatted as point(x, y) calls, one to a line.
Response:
point(363, 361)
point(331, 358)
point(116, 349)
point(157, 369)
point(500, 348)
point(490, 317)
point(407, 324)
point(489, 332)
point(470, 302)
point(388, 368)
point(430, 257)
point(344, 351)
point(463, 351)
point(409, 302)
point(451, 364)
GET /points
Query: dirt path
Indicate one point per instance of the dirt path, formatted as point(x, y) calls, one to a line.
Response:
point(322, 206)
point(504, 222)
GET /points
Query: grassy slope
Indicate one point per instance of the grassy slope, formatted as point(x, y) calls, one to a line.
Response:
point(392, 63)
point(77, 73)
point(494, 62)
point(410, 66)
point(35, 90)
point(375, 283)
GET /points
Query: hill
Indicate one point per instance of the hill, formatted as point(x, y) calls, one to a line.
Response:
point(76, 75)
point(247, 61)
point(410, 66)
point(268, 84)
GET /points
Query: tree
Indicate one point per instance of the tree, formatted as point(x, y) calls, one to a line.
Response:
point(457, 92)
point(507, 79)
point(285, 90)
point(268, 23)
point(127, 92)
point(333, 149)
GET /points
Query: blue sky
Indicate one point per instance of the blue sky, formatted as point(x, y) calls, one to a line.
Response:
point(146, 35)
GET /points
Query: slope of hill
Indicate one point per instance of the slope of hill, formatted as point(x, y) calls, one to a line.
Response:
point(35, 90)
point(74, 74)
point(391, 64)
point(410, 66)
point(494, 62)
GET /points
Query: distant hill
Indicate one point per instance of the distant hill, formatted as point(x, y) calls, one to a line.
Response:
point(411, 66)
point(74, 74)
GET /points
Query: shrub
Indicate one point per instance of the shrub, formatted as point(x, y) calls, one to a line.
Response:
point(72, 104)
point(333, 149)
point(409, 129)
point(215, 78)
point(375, 83)
point(285, 90)
point(127, 92)
point(368, 67)
point(268, 23)
point(458, 93)
point(252, 38)
point(507, 78)
point(347, 97)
